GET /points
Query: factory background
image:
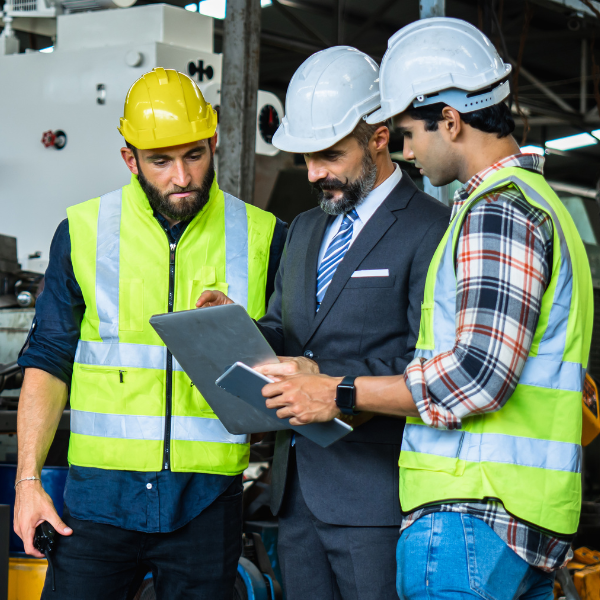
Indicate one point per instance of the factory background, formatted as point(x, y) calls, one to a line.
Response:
point(66, 65)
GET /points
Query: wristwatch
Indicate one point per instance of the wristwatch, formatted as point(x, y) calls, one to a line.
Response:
point(346, 396)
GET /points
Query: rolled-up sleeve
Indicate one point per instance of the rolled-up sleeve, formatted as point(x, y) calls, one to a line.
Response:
point(503, 267)
point(55, 331)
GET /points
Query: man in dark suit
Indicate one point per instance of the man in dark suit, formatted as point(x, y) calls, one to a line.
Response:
point(346, 303)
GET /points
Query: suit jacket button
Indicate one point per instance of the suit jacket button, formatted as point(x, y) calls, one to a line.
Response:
point(308, 354)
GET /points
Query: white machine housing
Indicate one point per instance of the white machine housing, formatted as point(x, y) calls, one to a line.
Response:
point(80, 89)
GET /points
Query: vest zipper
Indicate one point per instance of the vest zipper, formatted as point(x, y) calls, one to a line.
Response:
point(169, 390)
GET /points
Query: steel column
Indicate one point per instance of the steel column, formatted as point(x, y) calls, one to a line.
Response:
point(432, 8)
point(239, 89)
point(428, 9)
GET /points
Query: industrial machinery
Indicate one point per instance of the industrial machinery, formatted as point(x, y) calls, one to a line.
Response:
point(60, 144)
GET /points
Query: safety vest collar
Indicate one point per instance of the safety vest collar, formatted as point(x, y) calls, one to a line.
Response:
point(108, 250)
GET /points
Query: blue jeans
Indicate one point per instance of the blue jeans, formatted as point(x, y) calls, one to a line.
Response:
point(445, 556)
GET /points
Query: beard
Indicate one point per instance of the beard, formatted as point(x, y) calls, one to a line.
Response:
point(353, 192)
point(182, 209)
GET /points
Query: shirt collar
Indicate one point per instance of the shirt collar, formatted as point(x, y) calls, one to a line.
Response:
point(174, 232)
point(531, 162)
point(375, 197)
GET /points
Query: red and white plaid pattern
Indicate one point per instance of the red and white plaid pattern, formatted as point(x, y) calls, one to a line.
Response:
point(503, 266)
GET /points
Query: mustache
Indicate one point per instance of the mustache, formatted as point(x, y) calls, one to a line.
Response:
point(181, 190)
point(329, 184)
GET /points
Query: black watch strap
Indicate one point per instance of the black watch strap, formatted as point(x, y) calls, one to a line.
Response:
point(346, 396)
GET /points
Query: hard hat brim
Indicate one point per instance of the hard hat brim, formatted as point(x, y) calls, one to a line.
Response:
point(288, 143)
point(381, 115)
point(177, 140)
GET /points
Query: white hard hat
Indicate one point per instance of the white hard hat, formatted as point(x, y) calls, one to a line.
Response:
point(327, 96)
point(440, 60)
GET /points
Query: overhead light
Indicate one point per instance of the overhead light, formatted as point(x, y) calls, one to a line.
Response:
point(579, 140)
point(191, 7)
point(264, 3)
point(596, 133)
point(213, 8)
point(533, 150)
point(48, 49)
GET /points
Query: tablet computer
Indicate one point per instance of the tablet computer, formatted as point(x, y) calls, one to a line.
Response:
point(245, 383)
point(205, 342)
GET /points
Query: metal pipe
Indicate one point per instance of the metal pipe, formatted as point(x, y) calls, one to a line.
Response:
point(286, 12)
point(339, 21)
point(543, 88)
point(239, 90)
point(583, 73)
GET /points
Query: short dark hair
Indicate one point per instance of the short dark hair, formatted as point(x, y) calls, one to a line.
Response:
point(132, 148)
point(363, 132)
point(492, 119)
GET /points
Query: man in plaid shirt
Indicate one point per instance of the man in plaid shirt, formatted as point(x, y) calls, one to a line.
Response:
point(490, 468)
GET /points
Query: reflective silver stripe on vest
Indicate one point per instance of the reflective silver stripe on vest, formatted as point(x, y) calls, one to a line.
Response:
point(136, 356)
point(127, 427)
point(139, 427)
point(107, 266)
point(555, 375)
point(555, 337)
point(493, 447)
point(236, 249)
point(198, 429)
point(547, 369)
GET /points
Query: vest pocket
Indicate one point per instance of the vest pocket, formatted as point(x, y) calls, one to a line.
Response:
point(131, 305)
point(199, 286)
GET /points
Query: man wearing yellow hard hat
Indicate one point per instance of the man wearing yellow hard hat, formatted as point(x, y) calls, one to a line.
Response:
point(155, 479)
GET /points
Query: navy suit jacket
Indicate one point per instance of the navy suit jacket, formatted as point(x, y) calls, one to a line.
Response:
point(365, 326)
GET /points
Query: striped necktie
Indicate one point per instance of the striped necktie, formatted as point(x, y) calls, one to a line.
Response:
point(334, 255)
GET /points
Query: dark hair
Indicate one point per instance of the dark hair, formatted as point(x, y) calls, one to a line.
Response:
point(132, 148)
point(363, 132)
point(493, 119)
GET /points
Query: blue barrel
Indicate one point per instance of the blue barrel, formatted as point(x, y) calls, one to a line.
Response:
point(53, 481)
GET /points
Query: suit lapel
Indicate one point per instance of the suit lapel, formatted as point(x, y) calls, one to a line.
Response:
point(373, 231)
point(311, 266)
point(370, 235)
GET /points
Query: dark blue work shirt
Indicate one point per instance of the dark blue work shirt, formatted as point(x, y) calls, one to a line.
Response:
point(151, 502)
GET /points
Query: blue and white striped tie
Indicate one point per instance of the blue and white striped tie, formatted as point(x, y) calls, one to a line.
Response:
point(334, 255)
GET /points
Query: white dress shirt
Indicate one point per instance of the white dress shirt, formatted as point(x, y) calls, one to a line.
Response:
point(365, 210)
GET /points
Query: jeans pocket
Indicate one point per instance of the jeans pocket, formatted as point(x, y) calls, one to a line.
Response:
point(495, 571)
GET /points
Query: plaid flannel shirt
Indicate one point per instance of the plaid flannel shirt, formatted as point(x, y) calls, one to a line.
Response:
point(503, 267)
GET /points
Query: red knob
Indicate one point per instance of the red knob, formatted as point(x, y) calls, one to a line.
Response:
point(48, 138)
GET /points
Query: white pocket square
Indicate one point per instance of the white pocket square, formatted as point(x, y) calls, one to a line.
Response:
point(372, 273)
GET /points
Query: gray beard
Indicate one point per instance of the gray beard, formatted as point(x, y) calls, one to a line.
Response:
point(353, 193)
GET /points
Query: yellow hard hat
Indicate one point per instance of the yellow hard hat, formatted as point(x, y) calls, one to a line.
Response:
point(166, 108)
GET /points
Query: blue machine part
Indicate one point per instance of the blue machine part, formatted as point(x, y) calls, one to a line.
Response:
point(255, 583)
point(53, 481)
point(271, 587)
point(269, 532)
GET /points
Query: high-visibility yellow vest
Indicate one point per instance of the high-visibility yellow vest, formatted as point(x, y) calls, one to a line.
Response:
point(132, 406)
point(528, 453)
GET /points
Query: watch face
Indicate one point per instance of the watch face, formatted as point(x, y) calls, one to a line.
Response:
point(345, 396)
point(268, 122)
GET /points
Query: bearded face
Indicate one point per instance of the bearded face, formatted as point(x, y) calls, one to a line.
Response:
point(352, 192)
point(179, 209)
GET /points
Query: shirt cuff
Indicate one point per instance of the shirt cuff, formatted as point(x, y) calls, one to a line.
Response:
point(432, 413)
